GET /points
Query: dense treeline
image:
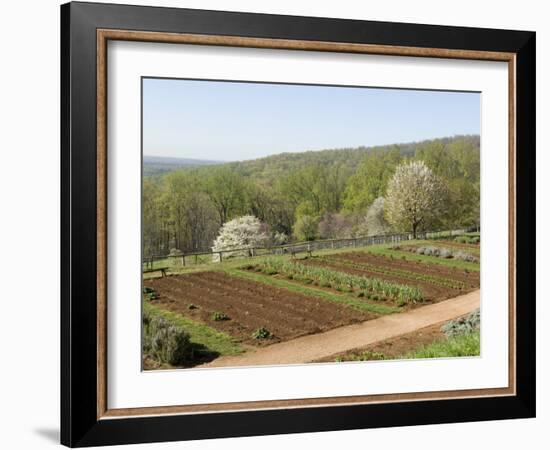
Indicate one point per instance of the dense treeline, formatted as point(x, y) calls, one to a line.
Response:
point(302, 196)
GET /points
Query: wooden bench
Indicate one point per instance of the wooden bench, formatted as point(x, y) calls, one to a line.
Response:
point(162, 270)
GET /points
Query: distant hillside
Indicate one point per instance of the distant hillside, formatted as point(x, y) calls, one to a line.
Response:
point(155, 165)
point(274, 166)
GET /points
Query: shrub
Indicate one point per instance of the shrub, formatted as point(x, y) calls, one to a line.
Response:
point(464, 256)
point(467, 239)
point(165, 342)
point(462, 325)
point(261, 333)
point(219, 316)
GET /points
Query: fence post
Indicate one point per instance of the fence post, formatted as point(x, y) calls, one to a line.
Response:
point(220, 256)
point(183, 260)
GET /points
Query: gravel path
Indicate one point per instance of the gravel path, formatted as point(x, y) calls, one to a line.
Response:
point(339, 340)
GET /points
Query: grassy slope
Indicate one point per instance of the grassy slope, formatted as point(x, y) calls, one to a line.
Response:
point(361, 305)
point(214, 340)
point(463, 345)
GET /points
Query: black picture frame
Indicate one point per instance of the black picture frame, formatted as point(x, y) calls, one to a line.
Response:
point(80, 425)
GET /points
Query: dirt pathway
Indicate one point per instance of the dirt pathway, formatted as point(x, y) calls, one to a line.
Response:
point(339, 340)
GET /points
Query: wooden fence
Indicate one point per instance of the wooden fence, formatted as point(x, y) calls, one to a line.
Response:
point(293, 249)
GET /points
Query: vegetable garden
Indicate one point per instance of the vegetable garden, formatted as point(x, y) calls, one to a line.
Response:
point(238, 306)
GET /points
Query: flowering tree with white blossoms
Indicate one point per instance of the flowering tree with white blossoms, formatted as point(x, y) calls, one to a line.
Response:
point(244, 232)
point(414, 198)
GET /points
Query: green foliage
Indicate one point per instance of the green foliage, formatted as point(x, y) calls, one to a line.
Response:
point(467, 239)
point(463, 325)
point(457, 346)
point(371, 178)
point(165, 341)
point(305, 228)
point(261, 333)
point(363, 356)
point(149, 293)
point(185, 208)
point(457, 162)
point(226, 189)
point(206, 340)
point(341, 281)
point(219, 316)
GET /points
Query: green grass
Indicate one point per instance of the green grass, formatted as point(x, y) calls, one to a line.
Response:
point(360, 305)
point(463, 345)
point(386, 250)
point(213, 340)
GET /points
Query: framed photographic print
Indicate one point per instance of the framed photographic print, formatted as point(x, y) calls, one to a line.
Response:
point(278, 224)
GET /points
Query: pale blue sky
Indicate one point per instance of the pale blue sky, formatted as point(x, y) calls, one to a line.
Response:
point(230, 121)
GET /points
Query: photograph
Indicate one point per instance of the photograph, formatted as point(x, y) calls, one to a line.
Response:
point(298, 223)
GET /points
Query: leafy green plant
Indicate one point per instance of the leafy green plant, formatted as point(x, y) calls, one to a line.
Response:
point(462, 325)
point(261, 333)
point(219, 316)
point(363, 356)
point(166, 342)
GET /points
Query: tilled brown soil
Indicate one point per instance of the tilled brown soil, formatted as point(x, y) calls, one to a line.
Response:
point(471, 278)
point(250, 306)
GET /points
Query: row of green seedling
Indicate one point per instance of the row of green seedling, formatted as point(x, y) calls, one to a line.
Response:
point(341, 281)
point(440, 281)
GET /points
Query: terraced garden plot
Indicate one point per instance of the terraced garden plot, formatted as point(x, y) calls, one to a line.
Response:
point(470, 278)
point(431, 292)
point(250, 306)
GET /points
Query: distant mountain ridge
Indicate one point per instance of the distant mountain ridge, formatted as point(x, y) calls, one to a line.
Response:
point(156, 165)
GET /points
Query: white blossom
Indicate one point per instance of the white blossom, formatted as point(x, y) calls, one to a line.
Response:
point(244, 232)
point(414, 198)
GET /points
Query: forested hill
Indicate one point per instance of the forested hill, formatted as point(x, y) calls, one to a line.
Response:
point(276, 166)
point(303, 196)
